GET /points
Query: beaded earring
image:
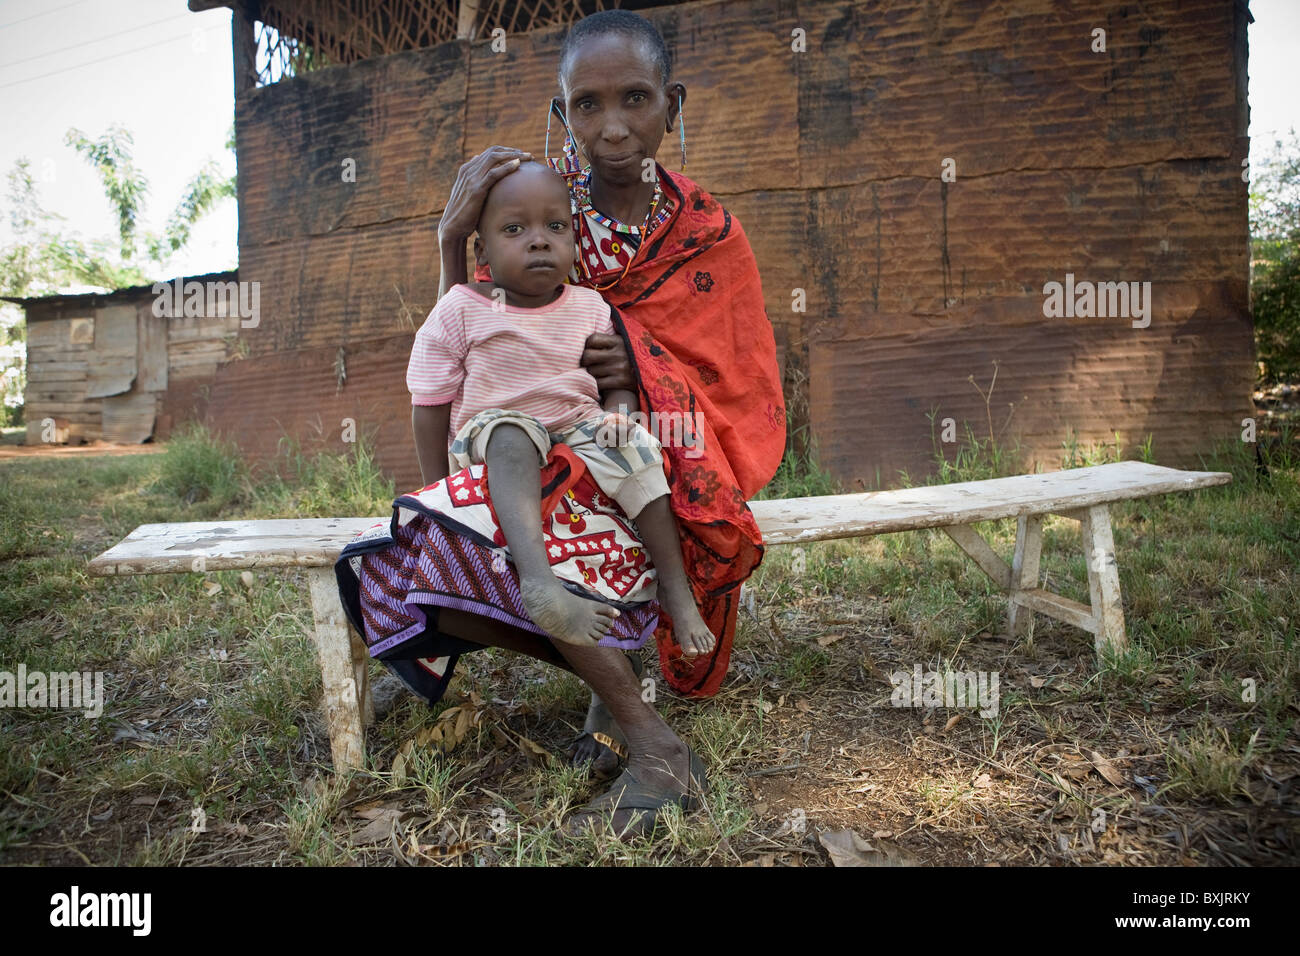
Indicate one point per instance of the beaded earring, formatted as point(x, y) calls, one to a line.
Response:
point(569, 162)
point(681, 128)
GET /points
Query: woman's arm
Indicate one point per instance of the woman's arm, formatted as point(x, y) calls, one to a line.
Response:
point(431, 424)
point(459, 220)
point(451, 264)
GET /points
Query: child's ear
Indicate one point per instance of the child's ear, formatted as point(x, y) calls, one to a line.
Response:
point(479, 251)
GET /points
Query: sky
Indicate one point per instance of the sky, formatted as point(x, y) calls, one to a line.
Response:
point(165, 74)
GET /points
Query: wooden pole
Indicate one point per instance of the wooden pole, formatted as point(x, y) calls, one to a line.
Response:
point(467, 19)
point(243, 46)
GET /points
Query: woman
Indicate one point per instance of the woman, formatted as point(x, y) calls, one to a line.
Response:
point(695, 342)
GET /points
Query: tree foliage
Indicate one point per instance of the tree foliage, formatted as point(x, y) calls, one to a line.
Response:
point(1275, 259)
point(46, 257)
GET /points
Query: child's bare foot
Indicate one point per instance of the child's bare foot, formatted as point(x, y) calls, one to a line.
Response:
point(564, 615)
point(689, 629)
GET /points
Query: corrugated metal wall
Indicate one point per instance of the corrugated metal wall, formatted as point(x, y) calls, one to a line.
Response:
point(1117, 166)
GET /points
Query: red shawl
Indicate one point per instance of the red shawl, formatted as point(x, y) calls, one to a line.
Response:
point(691, 311)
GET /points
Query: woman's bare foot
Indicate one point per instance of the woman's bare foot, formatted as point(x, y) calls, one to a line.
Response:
point(689, 629)
point(564, 615)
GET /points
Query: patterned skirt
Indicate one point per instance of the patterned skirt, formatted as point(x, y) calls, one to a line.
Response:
point(443, 548)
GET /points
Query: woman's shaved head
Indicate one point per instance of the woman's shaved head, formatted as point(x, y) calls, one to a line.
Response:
point(621, 23)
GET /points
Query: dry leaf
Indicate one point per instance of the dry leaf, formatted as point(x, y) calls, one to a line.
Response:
point(982, 782)
point(1106, 769)
point(1076, 768)
point(149, 801)
point(802, 705)
point(846, 848)
point(382, 822)
point(826, 640)
point(377, 808)
point(399, 768)
point(764, 705)
point(1037, 681)
point(246, 579)
point(534, 751)
point(952, 722)
point(213, 588)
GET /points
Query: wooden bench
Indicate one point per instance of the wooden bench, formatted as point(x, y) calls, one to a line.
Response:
point(1082, 494)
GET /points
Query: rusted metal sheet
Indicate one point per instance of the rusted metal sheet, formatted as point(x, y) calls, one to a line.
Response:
point(1114, 166)
point(1185, 381)
point(333, 290)
point(343, 148)
point(890, 89)
point(259, 400)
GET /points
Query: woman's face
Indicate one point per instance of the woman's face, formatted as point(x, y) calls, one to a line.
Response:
point(616, 106)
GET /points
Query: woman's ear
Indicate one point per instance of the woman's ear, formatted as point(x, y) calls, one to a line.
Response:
point(557, 106)
point(674, 91)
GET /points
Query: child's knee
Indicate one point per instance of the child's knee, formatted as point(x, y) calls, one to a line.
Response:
point(509, 441)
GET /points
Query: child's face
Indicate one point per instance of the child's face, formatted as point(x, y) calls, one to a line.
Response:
point(525, 233)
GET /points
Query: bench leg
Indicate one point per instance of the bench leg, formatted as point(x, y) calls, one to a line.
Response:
point(1024, 571)
point(342, 676)
point(361, 673)
point(1103, 579)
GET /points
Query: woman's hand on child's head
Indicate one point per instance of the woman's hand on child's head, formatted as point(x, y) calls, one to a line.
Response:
point(474, 181)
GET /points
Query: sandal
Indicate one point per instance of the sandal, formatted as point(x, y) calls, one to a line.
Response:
point(629, 793)
point(618, 749)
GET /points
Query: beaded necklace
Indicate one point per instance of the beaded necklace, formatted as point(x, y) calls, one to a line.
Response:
point(658, 213)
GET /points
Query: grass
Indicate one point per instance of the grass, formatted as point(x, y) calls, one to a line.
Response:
point(213, 693)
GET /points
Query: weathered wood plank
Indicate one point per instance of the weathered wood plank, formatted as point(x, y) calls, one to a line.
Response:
point(1103, 580)
point(1024, 569)
point(978, 550)
point(161, 548)
point(880, 512)
point(217, 546)
point(113, 367)
point(1061, 608)
point(129, 418)
point(341, 694)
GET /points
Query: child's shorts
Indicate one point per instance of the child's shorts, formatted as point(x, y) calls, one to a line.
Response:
point(631, 473)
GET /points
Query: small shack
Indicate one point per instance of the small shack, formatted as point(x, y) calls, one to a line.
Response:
point(125, 366)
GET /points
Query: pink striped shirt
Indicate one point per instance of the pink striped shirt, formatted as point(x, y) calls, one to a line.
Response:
point(477, 354)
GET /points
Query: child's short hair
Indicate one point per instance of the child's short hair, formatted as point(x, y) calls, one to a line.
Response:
point(531, 162)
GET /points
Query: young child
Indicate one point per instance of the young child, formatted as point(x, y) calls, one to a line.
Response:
point(497, 365)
